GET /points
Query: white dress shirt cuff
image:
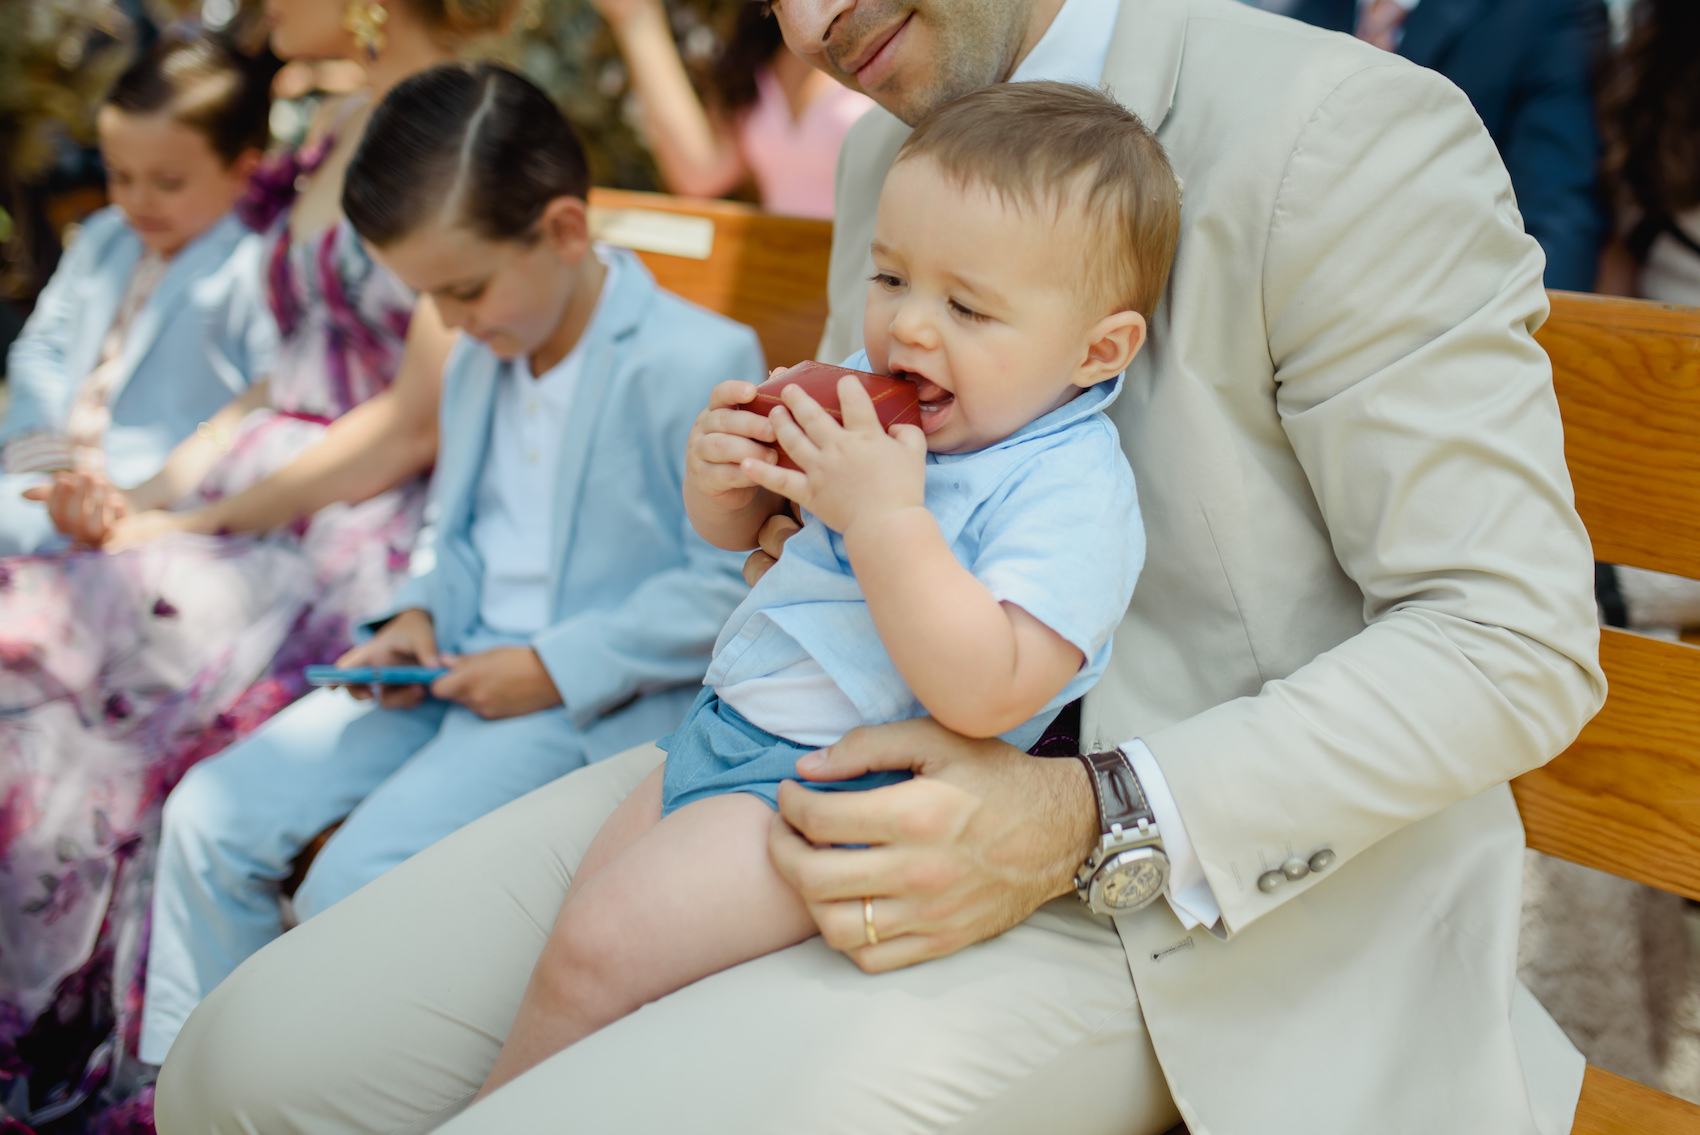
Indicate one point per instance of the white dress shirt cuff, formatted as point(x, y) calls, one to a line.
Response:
point(1188, 892)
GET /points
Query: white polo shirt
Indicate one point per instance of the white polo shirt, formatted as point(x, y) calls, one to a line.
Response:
point(513, 511)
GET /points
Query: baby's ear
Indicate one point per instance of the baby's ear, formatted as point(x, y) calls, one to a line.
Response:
point(1110, 346)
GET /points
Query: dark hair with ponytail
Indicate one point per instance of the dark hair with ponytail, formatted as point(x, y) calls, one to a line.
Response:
point(204, 85)
point(477, 143)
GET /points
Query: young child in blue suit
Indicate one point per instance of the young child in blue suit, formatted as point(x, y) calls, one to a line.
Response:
point(562, 583)
point(156, 316)
point(972, 568)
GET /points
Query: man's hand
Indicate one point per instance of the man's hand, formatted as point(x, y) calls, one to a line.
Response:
point(84, 506)
point(778, 528)
point(505, 682)
point(855, 473)
point(409, 639)
point(982, 837)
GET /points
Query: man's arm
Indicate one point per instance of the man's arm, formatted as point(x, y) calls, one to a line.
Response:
point(1401, 300)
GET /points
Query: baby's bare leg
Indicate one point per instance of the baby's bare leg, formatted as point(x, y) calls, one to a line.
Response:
point(636, 814)
point(691, 896)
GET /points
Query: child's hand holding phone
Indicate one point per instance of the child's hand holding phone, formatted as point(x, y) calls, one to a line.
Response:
point(409, 639)
point(505, 682)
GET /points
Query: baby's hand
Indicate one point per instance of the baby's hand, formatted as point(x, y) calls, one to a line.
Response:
point(852, 473)
point(722, 441)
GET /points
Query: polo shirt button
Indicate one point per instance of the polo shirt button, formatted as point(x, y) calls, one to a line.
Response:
point(1295, 868)
point(1269, 880)
point(1322, 860)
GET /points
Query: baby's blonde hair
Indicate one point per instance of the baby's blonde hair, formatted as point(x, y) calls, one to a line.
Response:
point(1064, 145)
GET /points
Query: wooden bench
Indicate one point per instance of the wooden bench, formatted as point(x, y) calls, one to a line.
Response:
point(760, 269)
point(1625, 798)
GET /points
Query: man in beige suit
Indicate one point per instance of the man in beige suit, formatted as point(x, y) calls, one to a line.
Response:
point(1367, 605)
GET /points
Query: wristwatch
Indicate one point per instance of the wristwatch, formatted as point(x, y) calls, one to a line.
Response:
point(1128, 868)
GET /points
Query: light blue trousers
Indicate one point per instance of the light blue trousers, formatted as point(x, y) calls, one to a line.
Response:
point(404, 778)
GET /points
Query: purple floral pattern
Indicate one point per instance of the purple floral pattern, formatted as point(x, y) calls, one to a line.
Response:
point(119, 672)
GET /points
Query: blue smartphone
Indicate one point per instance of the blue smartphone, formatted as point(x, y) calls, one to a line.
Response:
point(374, 675)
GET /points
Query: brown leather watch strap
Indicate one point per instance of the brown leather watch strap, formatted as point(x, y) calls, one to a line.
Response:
point(1120, 799)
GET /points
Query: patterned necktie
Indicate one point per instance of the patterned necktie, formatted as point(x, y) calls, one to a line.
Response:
point(1379, 23)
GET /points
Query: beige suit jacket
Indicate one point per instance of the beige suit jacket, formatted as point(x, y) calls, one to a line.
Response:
point(1367, 602)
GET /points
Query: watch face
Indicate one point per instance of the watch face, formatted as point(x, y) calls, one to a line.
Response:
point(1132, 879)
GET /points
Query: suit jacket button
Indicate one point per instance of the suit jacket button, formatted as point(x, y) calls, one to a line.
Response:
point(1322, 860)
point(1295, 868)
point(1269, 880)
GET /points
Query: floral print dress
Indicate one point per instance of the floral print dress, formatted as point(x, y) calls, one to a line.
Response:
point(119, 672)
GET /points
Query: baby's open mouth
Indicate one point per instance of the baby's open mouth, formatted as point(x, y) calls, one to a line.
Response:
point(935, 400)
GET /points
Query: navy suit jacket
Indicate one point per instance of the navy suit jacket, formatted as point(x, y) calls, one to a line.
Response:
point(1526, 66)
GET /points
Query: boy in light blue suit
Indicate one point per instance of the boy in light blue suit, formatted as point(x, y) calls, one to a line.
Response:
point(155, 317)
point(562, 583)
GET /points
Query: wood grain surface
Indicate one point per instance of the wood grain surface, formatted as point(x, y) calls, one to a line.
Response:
point(1612, 1105)
point(1627, 374)
point(1625, 798)
point(764, 270)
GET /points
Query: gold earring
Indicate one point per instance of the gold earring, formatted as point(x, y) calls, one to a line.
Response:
point(364, 20)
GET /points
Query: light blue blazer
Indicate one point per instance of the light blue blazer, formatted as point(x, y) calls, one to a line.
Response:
point(202, 337)
point(637, 596)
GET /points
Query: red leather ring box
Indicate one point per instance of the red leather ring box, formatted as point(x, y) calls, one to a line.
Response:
point(896, 400)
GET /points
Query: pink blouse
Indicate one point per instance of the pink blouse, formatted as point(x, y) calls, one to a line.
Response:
point(795, 160)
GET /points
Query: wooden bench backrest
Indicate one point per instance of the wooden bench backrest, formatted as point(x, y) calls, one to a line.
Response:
point(760, 269)
point(1625, 798)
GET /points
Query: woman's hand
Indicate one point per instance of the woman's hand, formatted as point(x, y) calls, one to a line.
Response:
point(84, 506)
point(982, 837)
point(409, 639)
point(143, 527)
point(505, 682)
point(855, 473)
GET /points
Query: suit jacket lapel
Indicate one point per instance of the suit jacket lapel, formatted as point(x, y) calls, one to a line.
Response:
point(1144, 63)
point(204, 252)
point(621, 311)
point(105, 292)
point(1433, 26)
point(471, 401)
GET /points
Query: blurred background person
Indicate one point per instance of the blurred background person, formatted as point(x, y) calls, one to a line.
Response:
point(155, 318)
point(1527, 66)
point(767, 115)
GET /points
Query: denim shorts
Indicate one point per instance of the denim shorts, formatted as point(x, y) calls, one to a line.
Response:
point(716, 750)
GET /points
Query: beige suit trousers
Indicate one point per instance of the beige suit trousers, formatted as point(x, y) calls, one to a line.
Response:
point(383, 1014)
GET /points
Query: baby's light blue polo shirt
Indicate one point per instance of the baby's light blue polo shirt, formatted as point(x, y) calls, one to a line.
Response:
point(1046, 519)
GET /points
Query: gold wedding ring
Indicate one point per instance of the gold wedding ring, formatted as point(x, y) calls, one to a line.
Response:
point(868, 922)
